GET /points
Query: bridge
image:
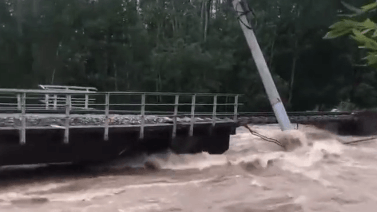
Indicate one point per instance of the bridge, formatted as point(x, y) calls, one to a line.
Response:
point(56, 124)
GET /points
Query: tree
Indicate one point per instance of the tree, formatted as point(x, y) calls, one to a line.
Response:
point(363, 32)
point(181, 46)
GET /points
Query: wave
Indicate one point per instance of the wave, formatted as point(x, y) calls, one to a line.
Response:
point(307, 153)
point(303, 148)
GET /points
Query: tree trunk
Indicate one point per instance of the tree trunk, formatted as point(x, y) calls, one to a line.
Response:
point(202, 15)
point(128, 80)
point(173, 21)
point(106, 61)
point(115, 77)
point(35, 7)
point(158, 86)
point(53, 77)
point(19, 17)
point(293, 71)
point(207, 17)
point(272, 53)
point(217, 6)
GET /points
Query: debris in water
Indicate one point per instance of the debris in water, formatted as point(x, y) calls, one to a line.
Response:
point(287, 140)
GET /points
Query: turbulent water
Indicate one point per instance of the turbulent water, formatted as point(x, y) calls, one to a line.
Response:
point(253, 176)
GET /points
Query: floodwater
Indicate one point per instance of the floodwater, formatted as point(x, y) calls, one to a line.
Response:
point(253, 176)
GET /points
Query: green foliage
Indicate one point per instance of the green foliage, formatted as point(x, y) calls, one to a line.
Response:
point(363, 32)
point(186, 46)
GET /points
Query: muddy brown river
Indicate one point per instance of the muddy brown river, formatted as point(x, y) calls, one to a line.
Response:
point(252, 176)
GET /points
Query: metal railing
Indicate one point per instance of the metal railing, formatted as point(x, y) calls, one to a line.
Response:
point(56, 100)
point(24, 106)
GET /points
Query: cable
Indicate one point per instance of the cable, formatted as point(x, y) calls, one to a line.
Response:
point(245, 12)
point(264, 137)
point(281, 145)
point(358, 141)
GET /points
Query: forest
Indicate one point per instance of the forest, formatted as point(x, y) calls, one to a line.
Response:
point(187, 46)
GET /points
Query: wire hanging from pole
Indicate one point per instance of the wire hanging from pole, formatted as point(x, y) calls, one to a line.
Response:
point(264, 137)
point(272, 140)
point(246, 11)
point(359, 141)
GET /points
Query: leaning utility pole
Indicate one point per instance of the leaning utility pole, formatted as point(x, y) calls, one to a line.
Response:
point(242, 9)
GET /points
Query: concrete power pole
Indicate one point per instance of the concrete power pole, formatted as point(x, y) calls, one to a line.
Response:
point(241, 8)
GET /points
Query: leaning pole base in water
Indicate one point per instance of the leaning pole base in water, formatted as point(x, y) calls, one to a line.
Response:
point(241, 9)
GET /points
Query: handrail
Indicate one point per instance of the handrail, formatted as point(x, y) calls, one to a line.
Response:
point(311, 113)
point(169, 93)
point(64, 87)
point(55, 99)
point(37, 91)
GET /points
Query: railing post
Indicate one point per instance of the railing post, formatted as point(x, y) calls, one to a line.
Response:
point(142, 122)
point(107, 108)
point(47, 101)
point(23, 119)
point(55, 101)
point(176, 104)
point(214, 111)
point(87, 100)
point(192, 122)
point(67, 116)
point(19, 103)
point(235, 118)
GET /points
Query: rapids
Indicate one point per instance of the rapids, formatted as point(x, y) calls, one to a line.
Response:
point(252, 176)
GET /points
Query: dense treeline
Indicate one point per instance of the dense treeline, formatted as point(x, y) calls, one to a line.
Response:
point(184, 46)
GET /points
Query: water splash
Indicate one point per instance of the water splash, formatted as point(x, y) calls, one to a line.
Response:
point(300, 151)
point(318, 173)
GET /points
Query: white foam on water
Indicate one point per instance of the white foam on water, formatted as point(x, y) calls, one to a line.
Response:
point(90, 194)
point(248, 149)
point(313, 162)
point(43, 187)
point(184, 162)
